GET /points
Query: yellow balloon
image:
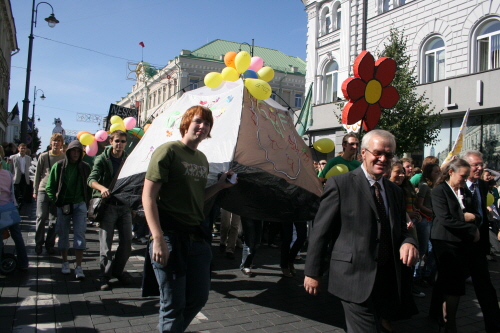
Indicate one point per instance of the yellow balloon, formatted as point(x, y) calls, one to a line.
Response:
point(337, 169)
point(86, 139)
point(117, 127)
point(266, 73)
point(116, 120)
point(242, 61)
point(230, 74)
point(213, 79)
point(489, 199)
point(258, 88)
point(324, 145)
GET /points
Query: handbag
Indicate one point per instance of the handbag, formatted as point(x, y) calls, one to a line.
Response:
point(9, 215)
point(95, 210)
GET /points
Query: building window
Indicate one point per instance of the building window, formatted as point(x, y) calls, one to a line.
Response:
point(298, 100)
point(385, 5)
point(273, 95)
point(402, 2)
point(339, 17)
point(326, 22)
point(193, 84)
point(488, 46)
point(331, 78)
point(434, 60)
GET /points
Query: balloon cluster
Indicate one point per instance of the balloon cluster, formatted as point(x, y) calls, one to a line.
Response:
point(255, 74)
point(90, 141)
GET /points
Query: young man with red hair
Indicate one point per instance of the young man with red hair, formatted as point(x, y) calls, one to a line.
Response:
point(173, 198)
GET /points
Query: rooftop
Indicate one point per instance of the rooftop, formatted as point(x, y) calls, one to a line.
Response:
point(276, 59)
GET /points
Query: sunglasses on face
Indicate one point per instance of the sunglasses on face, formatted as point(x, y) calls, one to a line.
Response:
point(352, 143)
point(378, 154)
point(323, 163)
point(122, 141)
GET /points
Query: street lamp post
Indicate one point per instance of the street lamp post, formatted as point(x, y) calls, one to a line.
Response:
point(33, 116)
point(52, 21)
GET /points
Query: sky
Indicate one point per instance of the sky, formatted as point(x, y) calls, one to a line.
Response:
point(81, 64)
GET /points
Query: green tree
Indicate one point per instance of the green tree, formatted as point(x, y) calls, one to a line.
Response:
point(36, 142)
point(413, 120)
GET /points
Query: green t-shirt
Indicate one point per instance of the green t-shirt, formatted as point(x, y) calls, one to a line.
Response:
point(351, 165)
point(415, 180)
point(183, 173)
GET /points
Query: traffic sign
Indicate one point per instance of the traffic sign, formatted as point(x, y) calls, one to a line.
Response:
point(30, 127)
point(28, 139)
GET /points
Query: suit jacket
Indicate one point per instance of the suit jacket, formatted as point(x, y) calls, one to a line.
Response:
point(449, 221)
point(348, 217)
point(483, 245)
point(16, 168)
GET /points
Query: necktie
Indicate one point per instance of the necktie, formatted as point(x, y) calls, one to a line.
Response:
point(385, 246)
point(475, 194)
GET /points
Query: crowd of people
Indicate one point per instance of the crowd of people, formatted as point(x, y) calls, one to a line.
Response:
point(384, 231)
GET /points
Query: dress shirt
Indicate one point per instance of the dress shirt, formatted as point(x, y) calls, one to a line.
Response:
point(372, 181)
point(474, 188)
point(22, 162)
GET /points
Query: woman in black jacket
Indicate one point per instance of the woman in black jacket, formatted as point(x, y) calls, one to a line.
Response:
point(453, 232)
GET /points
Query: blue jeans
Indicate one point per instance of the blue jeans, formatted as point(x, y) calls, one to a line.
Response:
point(423, 234)
point(252, 233)
point(17, 237)
point(182, 297)
point(79, 227)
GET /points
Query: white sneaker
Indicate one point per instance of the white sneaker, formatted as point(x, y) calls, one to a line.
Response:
point(143, 240)
point(65, 268)
point(79, 273)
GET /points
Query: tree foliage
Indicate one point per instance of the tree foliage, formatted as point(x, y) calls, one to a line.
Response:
point(413, 120)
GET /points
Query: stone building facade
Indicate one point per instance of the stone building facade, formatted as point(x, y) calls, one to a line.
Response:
point(8, 45)
point(455, 46)
point(156, 88)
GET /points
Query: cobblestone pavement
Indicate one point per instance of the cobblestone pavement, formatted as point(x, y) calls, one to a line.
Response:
point(44, 300)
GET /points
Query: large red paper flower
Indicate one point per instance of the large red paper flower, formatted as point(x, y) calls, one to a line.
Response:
point(369, 90)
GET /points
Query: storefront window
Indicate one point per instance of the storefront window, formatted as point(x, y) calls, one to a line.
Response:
point(483, 134)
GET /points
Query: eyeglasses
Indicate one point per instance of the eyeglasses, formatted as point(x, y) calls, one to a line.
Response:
point(352, 143)
point(122, 141)
point(481, 165)
point(323, 163)
point(378, 154)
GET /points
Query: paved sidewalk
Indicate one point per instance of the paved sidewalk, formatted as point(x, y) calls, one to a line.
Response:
point(44, 300)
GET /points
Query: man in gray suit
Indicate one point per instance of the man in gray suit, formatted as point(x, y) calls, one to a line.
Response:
point(364, 216)
point(20, 169)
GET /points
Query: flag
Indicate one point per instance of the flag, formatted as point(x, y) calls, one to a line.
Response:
point(141, 44)
point(305, 117)
point(14, 112)
point(457, 146)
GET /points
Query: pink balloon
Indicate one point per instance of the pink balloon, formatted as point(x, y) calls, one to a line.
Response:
point(101, 135)
point(91, 149)
point(256, 63)
point(129, 122)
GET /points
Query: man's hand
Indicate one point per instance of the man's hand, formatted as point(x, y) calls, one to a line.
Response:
point(312, 285)
point(160, 251)
point(223, 182)
point(34, 196)
point(408, 253)
point(105, 193)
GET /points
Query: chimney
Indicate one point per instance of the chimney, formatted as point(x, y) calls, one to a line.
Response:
point(185, 52)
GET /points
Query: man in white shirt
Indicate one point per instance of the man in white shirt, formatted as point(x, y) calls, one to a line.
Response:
point(20, 169)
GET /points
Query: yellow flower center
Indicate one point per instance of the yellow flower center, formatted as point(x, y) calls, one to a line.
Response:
point(373, 92)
